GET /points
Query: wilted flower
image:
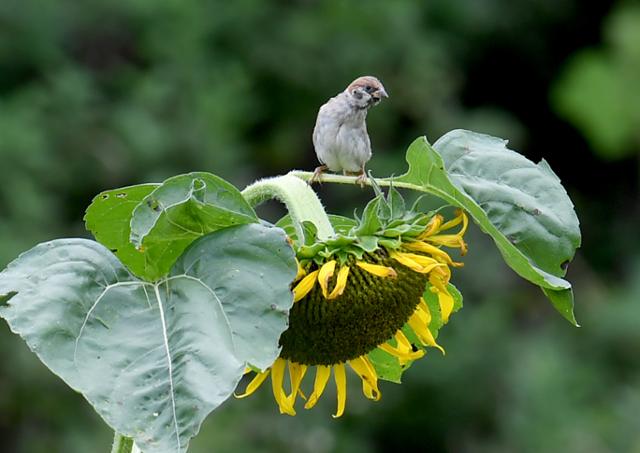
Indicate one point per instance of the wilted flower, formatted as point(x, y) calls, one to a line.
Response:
point(351, 299)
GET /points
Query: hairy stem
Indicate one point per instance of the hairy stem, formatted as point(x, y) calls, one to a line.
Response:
point(301, 201)
point(385, 182)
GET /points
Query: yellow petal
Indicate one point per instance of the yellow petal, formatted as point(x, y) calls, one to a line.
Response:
point(432, 227)
point(367, 373)
point(404, 260)
point(423, 332)
point(415, 262)
point(403, 342)
point(446, 305)
point(305, 285)
point(341, 283)
point(296, 373)
point(445, 300)
point(465, 222)
point(449, 240)
point(425, 312)
point(326, 272)
point(301, 272)
point(434, 251)
point(402, 355)
point(453, 222)
point(341, 388)
point(424, 261)
point(322, 377)
point(255, 383)
point(403, 351)
point(377, 270)
point(277, 377)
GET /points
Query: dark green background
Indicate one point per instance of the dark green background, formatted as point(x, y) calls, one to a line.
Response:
point(99, 94)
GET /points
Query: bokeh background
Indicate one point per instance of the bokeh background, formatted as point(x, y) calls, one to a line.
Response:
point(100, 94)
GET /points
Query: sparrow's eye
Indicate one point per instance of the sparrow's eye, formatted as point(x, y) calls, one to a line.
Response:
point(369, 88)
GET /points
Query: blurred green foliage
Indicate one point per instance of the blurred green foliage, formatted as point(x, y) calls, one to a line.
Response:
point(100, 94)
point(599, 90)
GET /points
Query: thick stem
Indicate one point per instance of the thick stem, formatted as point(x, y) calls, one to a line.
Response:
point(301, 201)
point(122, 444)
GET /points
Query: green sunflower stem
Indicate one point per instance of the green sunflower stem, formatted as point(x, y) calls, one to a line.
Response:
point(301, 201)
point(122, 444)
point(329, 177)
point(353, 180)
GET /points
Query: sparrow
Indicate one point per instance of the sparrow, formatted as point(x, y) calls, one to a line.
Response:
point(340, 135)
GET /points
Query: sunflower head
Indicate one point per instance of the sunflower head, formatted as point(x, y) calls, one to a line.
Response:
point(371, 297)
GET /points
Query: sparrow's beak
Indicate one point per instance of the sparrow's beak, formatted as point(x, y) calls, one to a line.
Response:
point(379, 94)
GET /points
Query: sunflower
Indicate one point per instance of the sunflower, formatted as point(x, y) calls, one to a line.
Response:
point(347, 305)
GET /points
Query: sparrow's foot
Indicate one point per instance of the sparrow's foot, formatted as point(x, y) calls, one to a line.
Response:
point(317, 174)
point(362, 179)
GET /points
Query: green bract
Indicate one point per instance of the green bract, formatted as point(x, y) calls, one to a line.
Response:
point(385, 221)
point(186, 287)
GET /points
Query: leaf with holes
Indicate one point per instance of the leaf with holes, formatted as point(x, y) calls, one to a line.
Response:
point(154, 358)
point(108, 217)
point(179, 211)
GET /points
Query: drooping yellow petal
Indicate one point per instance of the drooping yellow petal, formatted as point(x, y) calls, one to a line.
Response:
point(367, 373)
point(434, 251)
point(326, 272)
point(465, 222)
point(432, 227)
point(402, 356)
point(403, 351)
point(322, 377)
point(422, 331)
point(440, 278)
point(296, 373)
point(301, 271)
point(430, 234)
point(450, 240)
point(400, 258)
point(424, 261)
point(340, 377)
point(453, 222)
point(415, 262)
point(403, 342)
point(425, 313)
point(305, 285)
point(377, 270)
point(341, 283)
point(445, 300)
point(446, 305)
point(255, 383)
point(277, 378)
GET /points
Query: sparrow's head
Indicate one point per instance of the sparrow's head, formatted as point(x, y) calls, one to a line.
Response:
point(366, 91)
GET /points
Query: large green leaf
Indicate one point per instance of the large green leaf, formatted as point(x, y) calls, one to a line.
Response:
point(108, 217)
point(521, 205)
point(154, 358)
point(180, 210)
